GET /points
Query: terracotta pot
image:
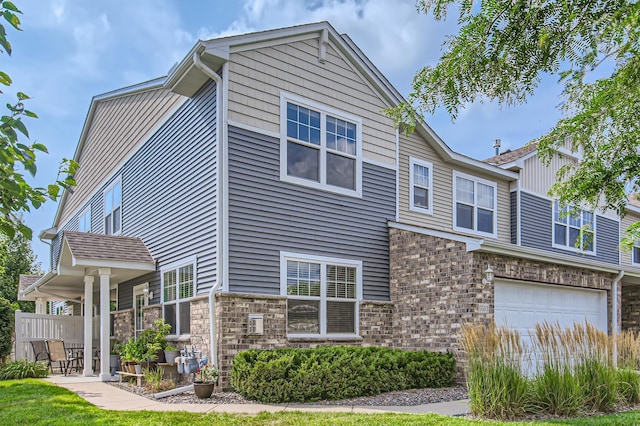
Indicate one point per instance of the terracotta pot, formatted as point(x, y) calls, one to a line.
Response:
point(203, 390)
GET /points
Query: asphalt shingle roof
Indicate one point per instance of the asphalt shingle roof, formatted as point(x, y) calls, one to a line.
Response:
point(509, 156)
point(107, 247)
point(26, 280)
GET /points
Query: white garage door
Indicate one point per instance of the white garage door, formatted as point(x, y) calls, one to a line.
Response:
point(521, 305)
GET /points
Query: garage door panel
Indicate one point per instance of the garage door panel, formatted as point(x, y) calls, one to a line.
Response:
point(520, 305)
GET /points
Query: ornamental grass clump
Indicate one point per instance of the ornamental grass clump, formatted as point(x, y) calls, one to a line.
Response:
point(498, 386)
point(23, 370)
point(561, 372)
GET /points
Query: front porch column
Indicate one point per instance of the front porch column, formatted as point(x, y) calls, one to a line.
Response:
point(41, 306)
point(88, 325)
point(104, 273)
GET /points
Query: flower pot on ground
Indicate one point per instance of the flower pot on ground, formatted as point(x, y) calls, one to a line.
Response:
point(114, 363)
point(203, 390)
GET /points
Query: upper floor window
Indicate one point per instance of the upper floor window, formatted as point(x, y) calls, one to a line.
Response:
point(178, 286)
point(84, 221)
point(421, 186)
point(113, 209)
point(320, 147)
point(635, 254)
point(573, 228)
point(322, 294)
point(475, 204)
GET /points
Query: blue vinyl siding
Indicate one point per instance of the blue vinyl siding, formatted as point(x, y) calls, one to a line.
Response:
point(537, 228)
point(513, 199)
point(169, 192)
point(268, 216)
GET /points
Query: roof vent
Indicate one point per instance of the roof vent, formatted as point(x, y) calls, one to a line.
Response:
point(497, 145)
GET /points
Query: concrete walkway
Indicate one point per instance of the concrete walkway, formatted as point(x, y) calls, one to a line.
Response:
point(110, 397)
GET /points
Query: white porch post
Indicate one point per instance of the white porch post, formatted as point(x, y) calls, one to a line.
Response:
point(88, 326)
point(40, 306)
point(104, 273)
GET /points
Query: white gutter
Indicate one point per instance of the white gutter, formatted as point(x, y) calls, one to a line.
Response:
point(57, 296)
point(614, 316)
point(197, 61)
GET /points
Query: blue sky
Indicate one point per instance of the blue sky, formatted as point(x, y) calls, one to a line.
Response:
point(72, 50)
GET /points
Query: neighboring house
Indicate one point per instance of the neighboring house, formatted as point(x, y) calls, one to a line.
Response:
point(258, 197)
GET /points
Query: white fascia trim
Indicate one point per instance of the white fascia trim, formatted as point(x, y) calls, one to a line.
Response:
point(379, 164)
point(253, 129)
point(473, 244)
point(397, 218)
point(633, 208)
point(93, 263)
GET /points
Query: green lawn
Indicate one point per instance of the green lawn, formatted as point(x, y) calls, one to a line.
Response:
point(35, 402)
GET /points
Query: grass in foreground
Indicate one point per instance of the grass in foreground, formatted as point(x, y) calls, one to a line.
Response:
point(36, 402)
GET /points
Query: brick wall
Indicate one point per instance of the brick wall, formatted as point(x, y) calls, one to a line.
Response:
point(436, 286)
point(630, 308)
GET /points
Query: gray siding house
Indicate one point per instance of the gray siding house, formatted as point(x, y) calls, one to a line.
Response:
point(258, 197)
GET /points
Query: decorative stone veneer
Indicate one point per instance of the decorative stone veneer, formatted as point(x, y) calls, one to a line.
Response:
point(437, 287)
point(123, 325)
point(151, 314)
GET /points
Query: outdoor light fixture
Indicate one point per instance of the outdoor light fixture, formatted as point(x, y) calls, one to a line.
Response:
point(488, 276)
point(148, 293)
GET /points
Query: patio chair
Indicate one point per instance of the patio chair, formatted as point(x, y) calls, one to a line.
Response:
point(58, 353)
point(41, 353)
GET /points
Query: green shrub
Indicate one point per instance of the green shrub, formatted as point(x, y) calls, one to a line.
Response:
point(7, 319)
point(338, 372)
point(598, 382)
point(23, 370)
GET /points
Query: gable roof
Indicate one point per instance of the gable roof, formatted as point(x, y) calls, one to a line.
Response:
point(88, 246)
point(186, 78)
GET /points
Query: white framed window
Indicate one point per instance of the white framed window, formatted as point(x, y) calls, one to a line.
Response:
point(320, 147)
point(322, 295)
point(475, 204)
point(421, 186)
point(84, 220)
point(139, 304)
point(113, 209)
point(178, 282)
point(635, 254)
point(573, 228)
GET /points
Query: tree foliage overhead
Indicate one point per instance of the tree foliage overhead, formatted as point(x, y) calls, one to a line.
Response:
point(502, 50)
point(16, 157)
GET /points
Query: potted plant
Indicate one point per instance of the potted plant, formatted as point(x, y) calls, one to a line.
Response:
point(156, 339)
point(114, 357)
point(132, 353)
point(170, 354)
point(205, 380)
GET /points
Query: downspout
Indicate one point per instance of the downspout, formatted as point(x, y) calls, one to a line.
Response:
point(614, 316)
point(197, 61)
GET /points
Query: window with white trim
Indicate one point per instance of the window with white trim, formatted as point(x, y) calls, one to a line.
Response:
point(84, 221)
point(113, 209)
point(573, 228)
point(178, 287)
point(421, 184)
point(475, 204)
point(635, 254)
point(322, 295)
point(320, 146)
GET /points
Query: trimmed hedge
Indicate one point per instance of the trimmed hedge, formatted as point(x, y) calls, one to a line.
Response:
point(336, 372)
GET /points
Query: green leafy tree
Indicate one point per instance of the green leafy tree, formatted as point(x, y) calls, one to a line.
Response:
point(502, 50)
point(16, 257)
point(7, 319)
point(17, 158)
